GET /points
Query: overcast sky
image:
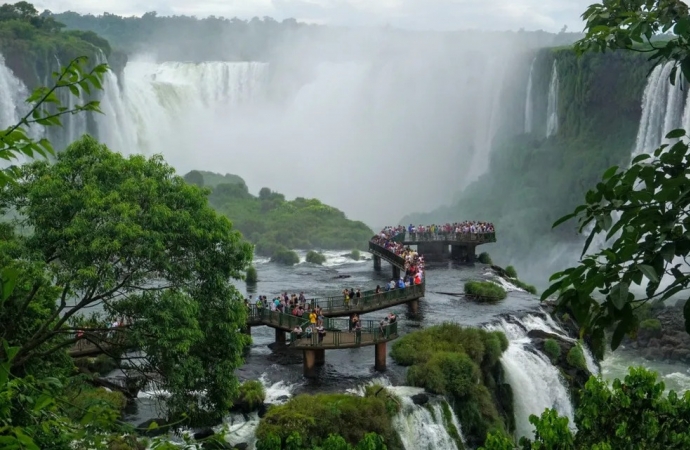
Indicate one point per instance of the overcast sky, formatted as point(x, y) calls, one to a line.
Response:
point(549, 15)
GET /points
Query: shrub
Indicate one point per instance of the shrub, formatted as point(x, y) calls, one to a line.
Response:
point(354, 254)
point(576, 357)
point(511, 272)
point(651, 325)
point(522, 285)
point(485, 290)
point(315, 257)
point(251, 396)
point(552, 349)
point(252, 276)
point(310, 419)
point(484, 258)
point(285, 257)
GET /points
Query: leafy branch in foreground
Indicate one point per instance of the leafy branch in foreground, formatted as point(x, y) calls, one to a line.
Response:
point(46, 110)
point(639, 215)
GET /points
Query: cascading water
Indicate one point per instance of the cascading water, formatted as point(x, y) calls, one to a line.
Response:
point(529, 108)
point(426, 427)
point(13, 93)
point(537, 384)
point(552, 103)
point(663, 109)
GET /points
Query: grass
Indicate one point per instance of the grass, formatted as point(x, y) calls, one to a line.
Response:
point(485, 290)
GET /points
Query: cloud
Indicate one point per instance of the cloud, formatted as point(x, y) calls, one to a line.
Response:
point(549, 15)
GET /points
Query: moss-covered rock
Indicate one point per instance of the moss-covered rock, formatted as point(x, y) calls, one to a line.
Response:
point(485, 291)
point(462, 364)
point(251, 397)
point(315, 257)
point(314, 417)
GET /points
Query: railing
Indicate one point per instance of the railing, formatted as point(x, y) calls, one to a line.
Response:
point(336, 304)
point(391, 257)
point(339, 335)
point(450, 237)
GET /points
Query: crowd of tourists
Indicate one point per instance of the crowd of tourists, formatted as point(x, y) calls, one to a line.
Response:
point(414, 262)
point(449, 230)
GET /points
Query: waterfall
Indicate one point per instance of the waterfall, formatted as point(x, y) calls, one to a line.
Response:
point(529, 109)
point(664, 109)
point(552, 103)
point(13, 93)
point(537, 384)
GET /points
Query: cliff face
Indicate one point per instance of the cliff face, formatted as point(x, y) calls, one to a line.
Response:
point(533, 180)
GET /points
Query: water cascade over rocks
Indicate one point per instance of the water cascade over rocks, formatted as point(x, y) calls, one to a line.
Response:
point(664, 108)
point(529, 102)
point(537, 384)
point(552, 103)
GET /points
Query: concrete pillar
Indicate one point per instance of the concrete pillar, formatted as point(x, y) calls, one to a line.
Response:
point(319, 357)
point(413, 306)
point(471, 253)
point(280, 336)
point(309, 363)
point(377, 262)
point(396, 272)
point(380, 356)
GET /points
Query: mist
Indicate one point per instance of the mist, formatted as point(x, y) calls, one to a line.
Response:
point(378, 123)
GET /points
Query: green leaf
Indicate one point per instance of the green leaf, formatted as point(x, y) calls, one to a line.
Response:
point(675, 134)
point(668, 251)
point(619, 295)
point(152, 426)
point(611, 171)
point(551, 289)
point(649, 272)
point(619, 334)
point(8, 281)
point(563, 219)
point(686, 315)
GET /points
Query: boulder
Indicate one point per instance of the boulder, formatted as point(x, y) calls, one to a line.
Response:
point(420, 399)
point(204, 434)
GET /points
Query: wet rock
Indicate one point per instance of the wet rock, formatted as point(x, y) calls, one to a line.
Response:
point(242, 446)
point(263, 409)
point(282, 398)
point(339, 277)
point(420, 399)
point(204, 434)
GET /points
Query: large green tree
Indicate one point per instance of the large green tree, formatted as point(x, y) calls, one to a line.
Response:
point(128, 238)
point(642, 211)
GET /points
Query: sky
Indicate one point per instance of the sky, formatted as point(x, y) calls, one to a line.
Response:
point(441, 15)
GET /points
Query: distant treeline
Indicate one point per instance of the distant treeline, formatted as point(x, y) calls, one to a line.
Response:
point(185, 38)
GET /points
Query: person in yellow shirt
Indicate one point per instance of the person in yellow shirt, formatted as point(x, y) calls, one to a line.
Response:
point(312, 318)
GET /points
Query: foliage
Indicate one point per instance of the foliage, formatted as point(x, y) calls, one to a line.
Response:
point(511, 272)
point(484, 258)
point(251, 395)
point(212, 179)
point(251, 276)
point(271, 222)
point(485, 290)
point(576, 357)
point(306, 421)
point(641, 211)
point(552, 349)
point(159, 257)
point(371, 441)
point(449, 359)
point(354, 254)
point(285, 257)
point(315, 257)
point(527, 287)
point(650, 325)
point(627, 415)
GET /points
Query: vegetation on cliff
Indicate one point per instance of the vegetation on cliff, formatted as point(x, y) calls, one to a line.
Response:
point(629, 414)
point(308, 421)
point(34, 45)
point(450, 360)
point(276, 225)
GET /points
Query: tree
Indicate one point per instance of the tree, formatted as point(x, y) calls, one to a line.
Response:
point(641, 211)
point(630, 414)
point(128, 236)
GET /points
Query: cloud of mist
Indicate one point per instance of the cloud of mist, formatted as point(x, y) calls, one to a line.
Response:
point(377, 124)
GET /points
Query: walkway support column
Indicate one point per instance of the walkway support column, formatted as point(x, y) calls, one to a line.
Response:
point(377, 262)
point(280, 336)
point(380, 356)
point(319, 357)
point(309, 363)
point(413, 306)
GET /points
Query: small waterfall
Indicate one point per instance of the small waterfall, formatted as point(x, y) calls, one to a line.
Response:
point(529, 109)
point(13, 93)
point(552, 103)
point(537, 384)
point(664, 108)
